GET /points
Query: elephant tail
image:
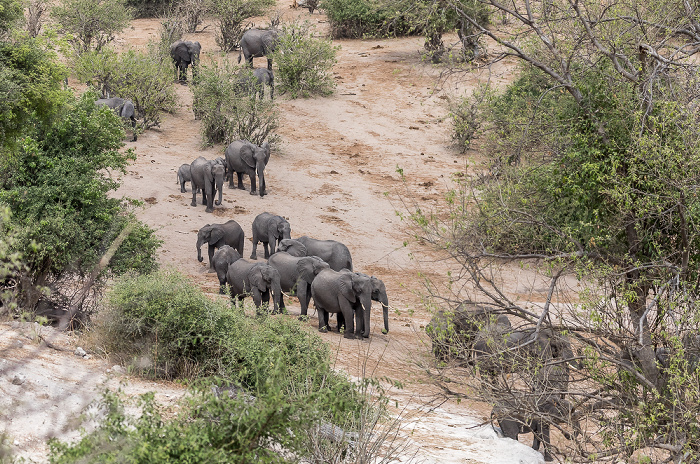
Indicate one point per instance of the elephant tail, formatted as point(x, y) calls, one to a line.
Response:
point(239, 54)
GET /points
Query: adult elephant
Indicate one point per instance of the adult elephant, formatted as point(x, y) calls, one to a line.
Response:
point(256, 43)
point(124, 108)
point(223, 257)
point(297, 275)
point(260, 280)
point(185, 53)
point(334, 253)
point(269, 229)
point(378, 294)
point(514, 419)
point(454, 331)
point(343, 292)
point(243, 157)
point(217, 235)
point(207, 175)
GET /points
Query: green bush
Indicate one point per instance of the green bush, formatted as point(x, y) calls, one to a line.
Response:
point(354, 19)
point(91, 24)
point(303, 61)
point(228, 112)
point(145, 78)
point(10, 268)
point(230, 17)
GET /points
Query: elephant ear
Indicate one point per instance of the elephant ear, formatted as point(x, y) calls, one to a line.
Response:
point(256, 279)
point(306, 269)
point(217, 234)
point(266, 148)
point(346, 284)
point(248, 156)
point(319, 264)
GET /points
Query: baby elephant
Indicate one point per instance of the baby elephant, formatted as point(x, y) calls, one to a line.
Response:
point(184, 174)
point(255, 83)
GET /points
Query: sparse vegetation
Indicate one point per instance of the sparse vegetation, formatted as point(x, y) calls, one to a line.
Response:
point(91, 24)
point(303, 61)
point(231, 16)
point(227, 111)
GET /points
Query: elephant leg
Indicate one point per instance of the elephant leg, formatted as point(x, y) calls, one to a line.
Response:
point(212, 248)
point(267, 249)
point(304, 296)
point(194, 195)
point(341, 321)
point(347, 310)
point(254, 254)
point(240, 180)
point(322, 320)
point(182, 187)
point(269, 64)
point(359, 321)
point(253, 185)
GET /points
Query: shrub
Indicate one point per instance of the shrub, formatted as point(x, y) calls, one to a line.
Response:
point(230, 16)
point(144, 78)
point(91, 24)
point(192, 13)
point(148, 8)
point(35, 11)
point(10, 268)
point(303, 61)
point(227, 112)
point(354, 19)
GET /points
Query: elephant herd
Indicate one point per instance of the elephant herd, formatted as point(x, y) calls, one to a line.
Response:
point(305, 267)
point(478, 336)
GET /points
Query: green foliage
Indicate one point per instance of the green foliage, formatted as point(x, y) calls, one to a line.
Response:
point(30, 87)
point(148, 8)
point(354, 19)
point(230, 17)
point(91, 24)
point(143, 78)
point(10, 14)
point(11, 267)
point(228, 111)
point(57, 186)
point(304, 62)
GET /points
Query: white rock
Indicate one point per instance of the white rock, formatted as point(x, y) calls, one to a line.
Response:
point(18, 379)
point(80, 352)
point(117, 369)
point(16, 442)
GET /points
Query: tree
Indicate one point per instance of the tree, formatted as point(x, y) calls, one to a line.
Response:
point(591, 179)
point(230, 17)
point(91, 24)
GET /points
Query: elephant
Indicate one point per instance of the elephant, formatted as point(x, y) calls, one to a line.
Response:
point(184, 174)
point(334, 253)
point(311, 5)
point(256, 43)
point(183, 54)
point(254, 84)
point(217, 235)
point(378, 294)
point(269, 229)
point(343, 292)
point(222, 258)
point(296, 275)
point(124, 108)
point(257, 279)
point(243, 157)
point(207, 175)
point(547, 411)
point(453, 331)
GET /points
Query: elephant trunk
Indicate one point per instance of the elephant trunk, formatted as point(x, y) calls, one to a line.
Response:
point(199, 249)
point(384, 300)
point(219, 186)
point(260, 168)
point(366, 301)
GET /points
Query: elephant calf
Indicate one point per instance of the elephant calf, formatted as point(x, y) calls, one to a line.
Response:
point(254, 84)
point(259, 280)
point(184, 175)
point(223, 257)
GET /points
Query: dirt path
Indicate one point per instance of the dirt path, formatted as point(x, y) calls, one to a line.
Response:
point(334, 176)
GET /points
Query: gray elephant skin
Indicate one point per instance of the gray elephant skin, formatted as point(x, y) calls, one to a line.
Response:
point(223, 257)
point(185, 53)
point(207, 175)
point(124, 108)
point(548, 410)
point(254, 84)
point(184, 175)
point(217, 235)
point(297, 275)
point(378, 294)
point(454, 331)
point(343, 292)
point(243, 157)
point(334, 253)
point(260, 280)
point(270, 230)
point(256, 43)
